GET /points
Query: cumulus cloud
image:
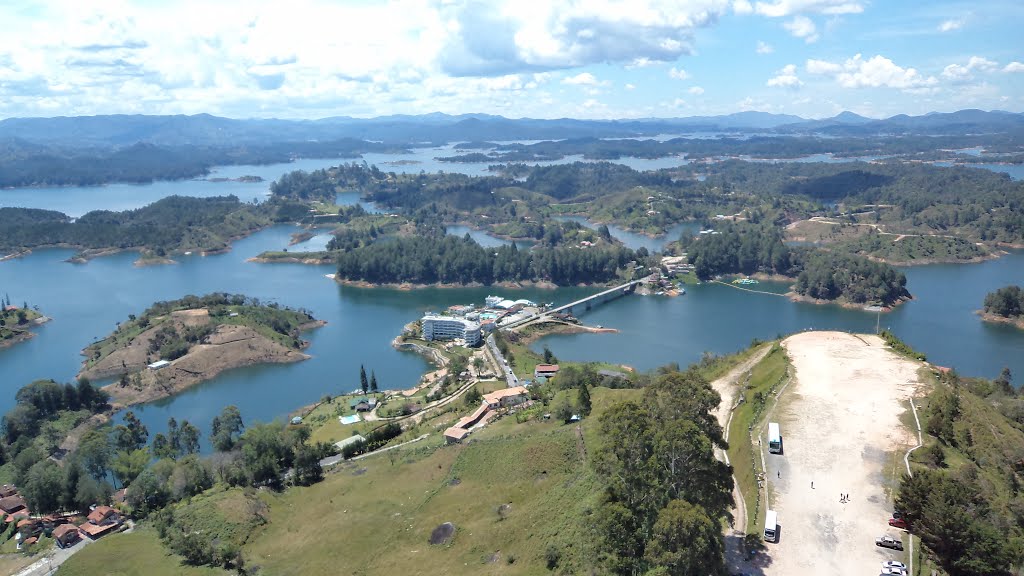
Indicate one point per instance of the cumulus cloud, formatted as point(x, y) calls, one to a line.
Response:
point(764, 48)
point(950, 25)
point(785, 78)
point(876, 72)
point(678, 74)
point(513, 36)
point(742, 7)
point(1014, 67)
point(783, 8)
point(802, 27)
point(965, 72)
point(581, 79)
point(696, 90)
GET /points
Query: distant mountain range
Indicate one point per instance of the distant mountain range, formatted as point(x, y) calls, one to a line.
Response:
point(206, 130)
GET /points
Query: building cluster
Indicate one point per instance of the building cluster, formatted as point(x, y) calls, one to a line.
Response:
point(676, 264)
point(488, 409)
point(468, 323)
point(66, 530)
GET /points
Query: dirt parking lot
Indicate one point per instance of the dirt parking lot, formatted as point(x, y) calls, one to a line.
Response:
point(841, 430)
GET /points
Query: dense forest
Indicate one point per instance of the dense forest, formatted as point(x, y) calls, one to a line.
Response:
point(964, 499)
point(820, 274)
point(172, 224)
point(1007, 302)
point(665, 494)
point(453, 260)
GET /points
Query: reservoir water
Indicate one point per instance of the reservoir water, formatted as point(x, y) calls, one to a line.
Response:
point(86, 301)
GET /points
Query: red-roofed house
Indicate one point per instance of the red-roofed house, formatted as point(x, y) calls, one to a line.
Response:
point(8, 490)
point(66, 535)
point(102, 519)
point(545, 370)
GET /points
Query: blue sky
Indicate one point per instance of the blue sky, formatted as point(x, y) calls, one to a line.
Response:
point(541, 59)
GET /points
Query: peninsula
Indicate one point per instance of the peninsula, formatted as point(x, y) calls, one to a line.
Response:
point(178, 344)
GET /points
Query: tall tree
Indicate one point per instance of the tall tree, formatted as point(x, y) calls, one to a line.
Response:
point(95, 451)
point(685, 541)
point(128, 464)
point(362, 379)
point(373, 381)
point(132, 435)
point(584, 400)
point(226, 428)
point(188, 438)
point(43, 487)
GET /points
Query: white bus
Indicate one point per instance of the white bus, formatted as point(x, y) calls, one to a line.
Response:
point(771, 526)
point(774, 438)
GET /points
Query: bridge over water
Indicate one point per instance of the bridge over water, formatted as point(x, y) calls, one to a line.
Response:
point(583, 304)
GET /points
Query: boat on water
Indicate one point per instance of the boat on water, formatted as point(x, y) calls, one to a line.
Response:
point(745, 281)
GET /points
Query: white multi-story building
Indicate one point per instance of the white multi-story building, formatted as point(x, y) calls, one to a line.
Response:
point(451, 328)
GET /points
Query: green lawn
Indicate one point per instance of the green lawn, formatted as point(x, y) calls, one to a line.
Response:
point(132, 554)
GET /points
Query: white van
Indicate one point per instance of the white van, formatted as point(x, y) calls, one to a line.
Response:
point(771, 526)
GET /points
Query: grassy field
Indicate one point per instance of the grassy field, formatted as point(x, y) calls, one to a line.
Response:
point(755, 398)
point(138, 552)
point(375, 516)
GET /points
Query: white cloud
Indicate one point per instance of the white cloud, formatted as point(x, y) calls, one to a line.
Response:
point(742, 7)
point(630, 87)
point(783, 8)
point(581, 79)
point(965, 72)
point(640, 63)
point(764, 48)
point(802, 27)
point(822, 67)
point(696, 90)
point(785, 78)
point(678, 74)
point(951, 25)
point(1014, 67)
point(876, 72)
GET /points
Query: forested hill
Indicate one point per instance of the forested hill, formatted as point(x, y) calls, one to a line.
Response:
point(173, 224)
point(453, 260)
point(819, 274)
point(1006, 302)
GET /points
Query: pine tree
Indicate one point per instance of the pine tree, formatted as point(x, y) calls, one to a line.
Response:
point(373, 381)
point(584, 400)
point(362, 379)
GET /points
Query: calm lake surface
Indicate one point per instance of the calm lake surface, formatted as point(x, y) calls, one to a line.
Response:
point(85, 302)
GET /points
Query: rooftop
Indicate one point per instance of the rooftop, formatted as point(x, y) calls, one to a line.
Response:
point(497, 395)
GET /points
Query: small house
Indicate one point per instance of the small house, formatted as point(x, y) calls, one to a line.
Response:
point(455, 435)
point(8, 490)
point(13, 504)
point(341, 444)
point(506, 397)
point(102, 520)
point(66, 535)
point(545, 370)
point(363, 404)
point(159, 364)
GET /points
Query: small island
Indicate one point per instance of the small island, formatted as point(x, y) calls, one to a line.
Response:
point(178, 344)
point(1005, 305)
point(15, 322)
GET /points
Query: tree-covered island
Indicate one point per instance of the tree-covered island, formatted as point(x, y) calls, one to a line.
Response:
point(1005, 305)
point(177, 344)
point(15, 322)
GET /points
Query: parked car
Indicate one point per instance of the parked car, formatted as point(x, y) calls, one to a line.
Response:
point(893, 572)
point(889, 542)
point(894, 564)
point(898, 523)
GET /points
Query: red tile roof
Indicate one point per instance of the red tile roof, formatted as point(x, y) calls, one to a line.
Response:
point(95, 531)
point(63, 530)
point(12, 504)
point(100, 513)
point(456, 433)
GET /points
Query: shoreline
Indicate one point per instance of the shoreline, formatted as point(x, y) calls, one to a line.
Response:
point(794, 297)
point(25, 335)
point(1017, 322)
point(560, 328)
point(407, 286)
